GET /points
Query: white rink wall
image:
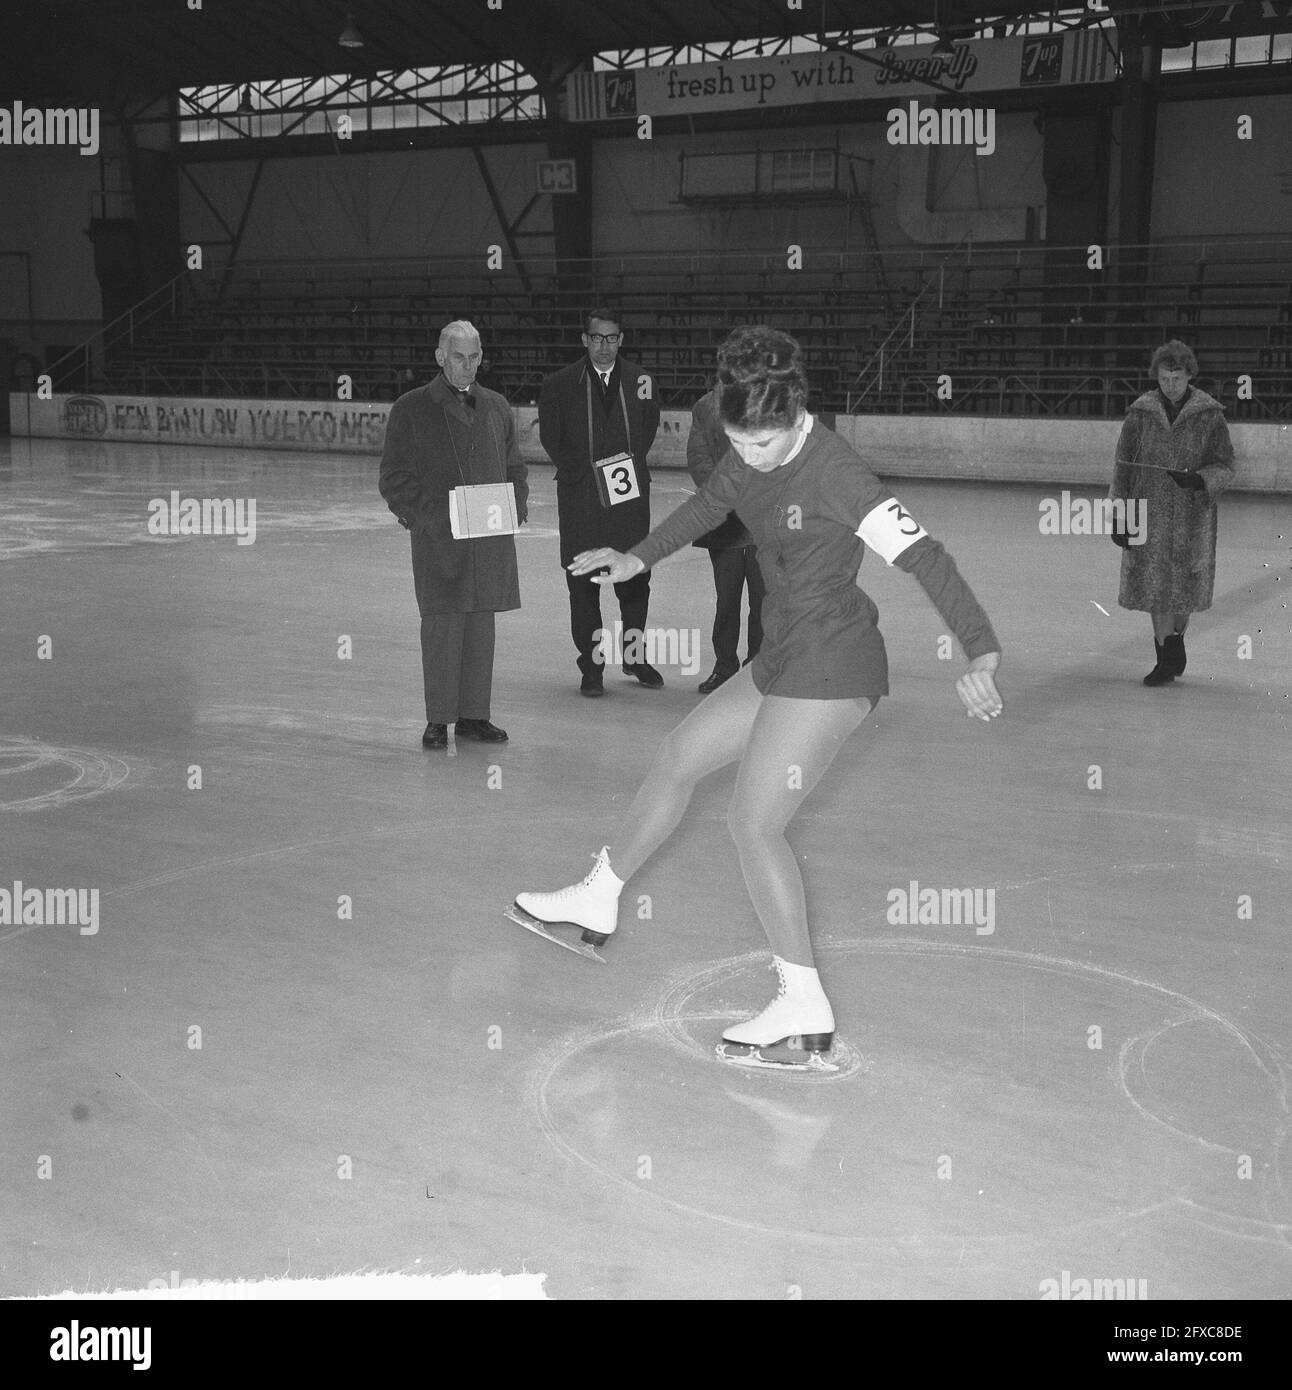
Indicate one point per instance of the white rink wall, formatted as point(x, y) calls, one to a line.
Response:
point(986, 447)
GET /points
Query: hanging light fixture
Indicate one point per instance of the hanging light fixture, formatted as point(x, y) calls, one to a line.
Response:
point(244, 101)
point(350, 35)
point(944, 44)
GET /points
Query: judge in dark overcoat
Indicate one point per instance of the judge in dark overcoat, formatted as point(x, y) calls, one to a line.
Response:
point(443, 435)
point(595, 408)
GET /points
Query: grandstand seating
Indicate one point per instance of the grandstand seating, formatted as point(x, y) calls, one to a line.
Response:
point(1019, 330)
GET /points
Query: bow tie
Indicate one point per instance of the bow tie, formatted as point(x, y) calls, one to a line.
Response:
point(466, 398)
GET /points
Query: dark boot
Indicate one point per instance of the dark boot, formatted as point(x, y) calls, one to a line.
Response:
point(1164, 671)
point(1175, 656)
point(436, 736)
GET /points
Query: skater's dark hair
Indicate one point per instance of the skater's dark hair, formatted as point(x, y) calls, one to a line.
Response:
point(1174, 354)
point(606, 313)
point(760, 381)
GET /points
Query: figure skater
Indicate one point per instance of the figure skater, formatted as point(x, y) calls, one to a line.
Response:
point(810, 503)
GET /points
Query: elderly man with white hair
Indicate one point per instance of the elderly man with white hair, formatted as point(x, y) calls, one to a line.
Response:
point(446, 434)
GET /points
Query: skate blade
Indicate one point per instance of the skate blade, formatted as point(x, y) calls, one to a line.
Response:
point(747, 1055)
point(523, 919)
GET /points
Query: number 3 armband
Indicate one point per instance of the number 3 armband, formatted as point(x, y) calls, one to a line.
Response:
point(889, 529)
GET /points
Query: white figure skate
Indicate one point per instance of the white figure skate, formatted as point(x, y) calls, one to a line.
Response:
point(793, 1033)
point(590, 908)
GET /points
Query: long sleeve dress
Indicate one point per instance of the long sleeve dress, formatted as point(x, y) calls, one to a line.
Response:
point(812, 519)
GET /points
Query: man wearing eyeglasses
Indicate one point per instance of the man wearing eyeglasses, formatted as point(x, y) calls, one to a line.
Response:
point(589, 412)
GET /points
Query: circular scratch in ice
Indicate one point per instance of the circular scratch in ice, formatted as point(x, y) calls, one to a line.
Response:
point(670, 1019)
point(92, 773)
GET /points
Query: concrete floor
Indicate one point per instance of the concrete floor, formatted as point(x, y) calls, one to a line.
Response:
point(1097, 1086)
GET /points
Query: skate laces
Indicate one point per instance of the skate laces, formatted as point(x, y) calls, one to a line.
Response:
point(579, 887)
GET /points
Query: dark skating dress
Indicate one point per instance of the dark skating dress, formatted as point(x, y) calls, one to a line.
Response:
point(812, 519)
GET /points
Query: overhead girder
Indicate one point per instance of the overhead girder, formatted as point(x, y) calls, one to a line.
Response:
point(104, 51)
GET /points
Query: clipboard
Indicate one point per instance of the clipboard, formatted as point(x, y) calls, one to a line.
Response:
point(483, 509)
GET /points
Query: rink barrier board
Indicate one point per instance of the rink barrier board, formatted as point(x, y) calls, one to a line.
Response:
point(992, 448)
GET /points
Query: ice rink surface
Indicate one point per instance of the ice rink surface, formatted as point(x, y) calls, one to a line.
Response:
point(1094, 1083)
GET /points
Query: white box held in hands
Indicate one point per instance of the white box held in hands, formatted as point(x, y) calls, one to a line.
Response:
point(483, 509)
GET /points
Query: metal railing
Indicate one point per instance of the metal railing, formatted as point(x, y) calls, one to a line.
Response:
point(872, 373)
point(86, 361)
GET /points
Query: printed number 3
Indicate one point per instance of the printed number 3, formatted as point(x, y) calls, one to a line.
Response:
point(623, 481)
point(899, 515)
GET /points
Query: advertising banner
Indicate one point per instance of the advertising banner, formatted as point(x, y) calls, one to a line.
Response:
point(340, 427)
point(982, 65)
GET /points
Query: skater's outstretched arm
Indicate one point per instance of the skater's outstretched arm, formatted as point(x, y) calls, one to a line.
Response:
point(617, 566)
point(707, 509)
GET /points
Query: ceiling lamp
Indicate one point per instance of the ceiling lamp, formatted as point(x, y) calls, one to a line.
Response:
point(944, 44)
point(350, 35)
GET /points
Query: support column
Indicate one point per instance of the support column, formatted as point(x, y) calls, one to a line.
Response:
point(138, 250)
point(571, 212)
point(1075, 168)
point(1140, 58)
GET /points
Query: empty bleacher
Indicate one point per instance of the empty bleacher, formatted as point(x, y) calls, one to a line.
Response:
point(1017, 330)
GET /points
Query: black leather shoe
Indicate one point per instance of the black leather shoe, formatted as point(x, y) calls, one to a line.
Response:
point(714, 681)
point(646, 675)
point(479, 729)
point(436, 736)
point(591, 684)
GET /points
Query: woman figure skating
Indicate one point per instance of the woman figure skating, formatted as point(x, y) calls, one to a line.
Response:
point(1173, 457)
point(810, 502)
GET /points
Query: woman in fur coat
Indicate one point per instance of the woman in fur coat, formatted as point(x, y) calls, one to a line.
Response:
point(1174, 458)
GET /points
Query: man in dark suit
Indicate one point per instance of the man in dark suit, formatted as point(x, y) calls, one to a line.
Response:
point(443, 435)
point(731, 550)
point(597, 407)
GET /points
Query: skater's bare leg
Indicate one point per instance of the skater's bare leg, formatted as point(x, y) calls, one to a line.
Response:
point(710, 737)
point(791, 746)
